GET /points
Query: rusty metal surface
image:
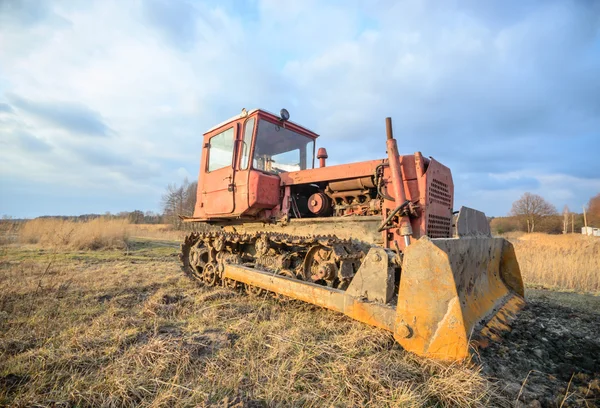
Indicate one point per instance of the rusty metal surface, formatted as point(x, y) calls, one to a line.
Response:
point(449, 287)
point(216, 196)
point(330, 173)
point(472, 223)
point(322, 156)
point(359, 183)
point(375, 278)
point(327, 260)
point(263, 192)
point(374, 314)
point(319, 204)
point(364, 228)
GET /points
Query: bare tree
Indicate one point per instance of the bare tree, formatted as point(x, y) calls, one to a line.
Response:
point(594, 211)
point(532, 208)
point(179, 200)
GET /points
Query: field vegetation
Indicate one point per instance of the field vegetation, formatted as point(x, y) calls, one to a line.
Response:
point(126, 328)
point(98, 314)
point(98, 233)
point(93, 234)
point(560, 262)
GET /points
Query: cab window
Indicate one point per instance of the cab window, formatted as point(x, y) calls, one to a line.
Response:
point(248, 130)
point(220, 150)
point(279, 150)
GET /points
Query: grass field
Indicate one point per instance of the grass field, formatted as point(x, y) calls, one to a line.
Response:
point(559, 262)
point(109, 328)
point(121, 326)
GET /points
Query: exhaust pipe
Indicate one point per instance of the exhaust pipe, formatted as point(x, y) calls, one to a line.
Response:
point(399, 195)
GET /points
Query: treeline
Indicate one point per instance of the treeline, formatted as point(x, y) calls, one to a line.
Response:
point(532, 213)
point(550, 224)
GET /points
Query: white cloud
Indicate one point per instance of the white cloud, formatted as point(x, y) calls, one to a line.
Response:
point(485, 90)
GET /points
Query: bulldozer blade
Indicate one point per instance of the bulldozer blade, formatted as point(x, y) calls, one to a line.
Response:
point(453, 291)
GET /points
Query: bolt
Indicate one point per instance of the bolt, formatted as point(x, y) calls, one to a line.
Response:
point(376, 257)
point(403, 330)
point(313, 202)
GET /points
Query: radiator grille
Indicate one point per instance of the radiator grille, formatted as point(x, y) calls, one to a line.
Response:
point(438, 226)
point(438, 193)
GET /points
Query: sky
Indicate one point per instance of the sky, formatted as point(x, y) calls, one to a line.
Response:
point(103, 103)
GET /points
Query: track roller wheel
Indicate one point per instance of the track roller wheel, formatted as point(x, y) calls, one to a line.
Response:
point(210, 275)
point(198, 257)
point(319, 266)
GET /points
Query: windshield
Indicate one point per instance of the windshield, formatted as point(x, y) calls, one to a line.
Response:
point(279, 150)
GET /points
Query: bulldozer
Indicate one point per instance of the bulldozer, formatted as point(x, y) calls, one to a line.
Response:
point(378, 241)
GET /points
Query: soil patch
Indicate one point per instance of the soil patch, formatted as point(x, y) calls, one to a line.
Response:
point(552, 355)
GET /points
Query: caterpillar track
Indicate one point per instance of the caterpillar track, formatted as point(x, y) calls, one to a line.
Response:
point(324, 260)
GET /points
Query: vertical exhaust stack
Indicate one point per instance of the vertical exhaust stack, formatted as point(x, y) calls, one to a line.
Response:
point(322, 156)
point(399, 194)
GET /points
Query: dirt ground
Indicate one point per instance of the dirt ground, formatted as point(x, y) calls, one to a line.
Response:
point(552, 355)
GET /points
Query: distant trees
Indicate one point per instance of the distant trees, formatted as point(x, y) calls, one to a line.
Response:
point(593, 211)
point(502, 225)
point(179, 200)
point(532, 208)
point(136, 217)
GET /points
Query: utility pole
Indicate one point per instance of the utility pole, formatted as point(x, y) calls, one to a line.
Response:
point(572, 223)
point(585, 220)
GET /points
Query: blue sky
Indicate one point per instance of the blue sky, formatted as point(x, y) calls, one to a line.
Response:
point(103, 103)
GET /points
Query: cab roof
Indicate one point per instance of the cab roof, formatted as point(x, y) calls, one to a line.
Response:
point(250, 112)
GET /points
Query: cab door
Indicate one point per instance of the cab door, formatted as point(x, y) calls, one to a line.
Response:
point(242, 169)
point(218, 182)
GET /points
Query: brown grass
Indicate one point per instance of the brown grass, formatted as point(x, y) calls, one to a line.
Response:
point(107, 329)
point(565, 262)
point(9, 231)
point(99, 233)
point(157, 231)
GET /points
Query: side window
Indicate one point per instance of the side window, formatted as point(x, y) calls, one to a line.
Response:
point(309, 161)
point(248, 130)
point(220, 152)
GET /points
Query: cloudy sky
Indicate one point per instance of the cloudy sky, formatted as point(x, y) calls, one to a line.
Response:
point(103, 103)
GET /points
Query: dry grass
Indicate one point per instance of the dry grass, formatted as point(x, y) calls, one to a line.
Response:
point(108, 329)
point(565, 262)
point(99, 233)
point(124, 328)
point(9, 231)
point(157, 231)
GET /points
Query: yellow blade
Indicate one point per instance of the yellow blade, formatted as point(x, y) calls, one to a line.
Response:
point(454, 289)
